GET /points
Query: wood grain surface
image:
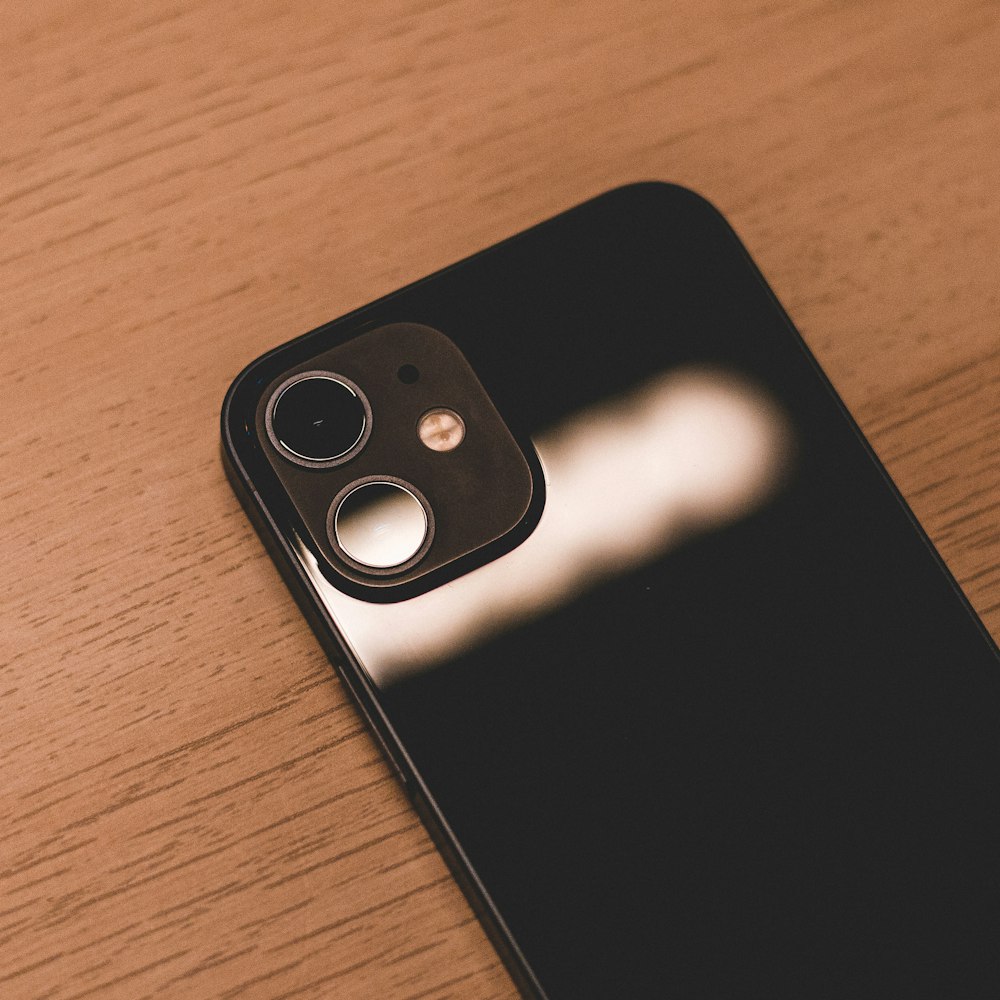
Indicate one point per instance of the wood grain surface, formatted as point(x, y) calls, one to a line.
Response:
point(191, 807)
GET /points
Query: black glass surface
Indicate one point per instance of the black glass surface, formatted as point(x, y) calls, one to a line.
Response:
point(759, 759)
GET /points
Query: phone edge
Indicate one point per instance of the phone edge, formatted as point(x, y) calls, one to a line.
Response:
point(356, 683)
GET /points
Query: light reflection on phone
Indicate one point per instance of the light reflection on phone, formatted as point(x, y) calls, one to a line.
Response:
point(686, 452)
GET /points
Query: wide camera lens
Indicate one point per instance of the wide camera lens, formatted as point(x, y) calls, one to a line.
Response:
point(319, 418)
point(380, 524)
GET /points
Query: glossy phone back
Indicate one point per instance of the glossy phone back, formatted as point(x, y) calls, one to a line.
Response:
point(721, 725)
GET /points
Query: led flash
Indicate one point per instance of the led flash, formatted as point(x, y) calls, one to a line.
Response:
point(441, 429)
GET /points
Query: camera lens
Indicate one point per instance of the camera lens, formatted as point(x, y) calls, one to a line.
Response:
point(318, 419)
point(379, 524)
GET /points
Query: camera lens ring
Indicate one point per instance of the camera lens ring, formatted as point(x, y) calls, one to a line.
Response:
point(327, 461)
point(355, 487)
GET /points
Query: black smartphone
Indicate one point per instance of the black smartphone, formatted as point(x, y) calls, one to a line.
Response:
point(668, 668)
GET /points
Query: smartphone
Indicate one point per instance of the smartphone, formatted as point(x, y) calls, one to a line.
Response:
point(668, 668)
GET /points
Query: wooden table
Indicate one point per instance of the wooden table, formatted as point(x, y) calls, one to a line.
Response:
point(191, 806)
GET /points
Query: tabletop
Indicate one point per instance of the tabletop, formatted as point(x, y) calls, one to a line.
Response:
point(192, 807)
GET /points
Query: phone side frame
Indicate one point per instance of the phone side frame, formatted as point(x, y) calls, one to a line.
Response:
point(359, 688)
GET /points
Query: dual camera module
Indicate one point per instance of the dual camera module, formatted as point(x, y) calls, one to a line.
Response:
point(395, 459)
point(321, 420)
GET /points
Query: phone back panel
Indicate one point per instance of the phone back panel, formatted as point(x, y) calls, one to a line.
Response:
point(722, 725)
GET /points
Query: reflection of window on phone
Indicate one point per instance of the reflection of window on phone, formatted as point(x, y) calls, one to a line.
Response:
point(626, 479)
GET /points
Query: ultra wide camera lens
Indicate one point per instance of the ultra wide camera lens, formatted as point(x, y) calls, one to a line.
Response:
point(318, 418)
